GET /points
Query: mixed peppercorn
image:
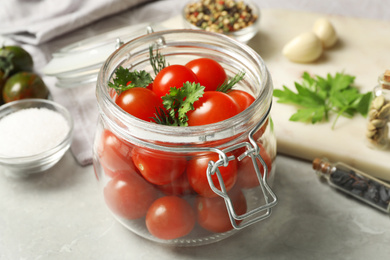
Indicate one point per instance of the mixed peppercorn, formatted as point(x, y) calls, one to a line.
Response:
point(368, 190)
point(220, 15)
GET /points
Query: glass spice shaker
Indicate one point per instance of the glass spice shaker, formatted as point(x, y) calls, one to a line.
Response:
point(379, 114)
point(355, 183)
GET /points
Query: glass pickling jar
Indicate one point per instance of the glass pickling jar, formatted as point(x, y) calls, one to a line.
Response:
point(232, 161)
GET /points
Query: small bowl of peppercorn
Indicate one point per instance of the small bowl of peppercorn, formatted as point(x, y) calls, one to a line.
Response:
point(235, 18)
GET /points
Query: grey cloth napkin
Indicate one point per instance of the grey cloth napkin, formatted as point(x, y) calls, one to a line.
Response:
point(81, 103)
point(38, 21)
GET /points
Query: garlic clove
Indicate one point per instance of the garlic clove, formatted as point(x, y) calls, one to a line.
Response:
point(325, 31)
point(306, 47)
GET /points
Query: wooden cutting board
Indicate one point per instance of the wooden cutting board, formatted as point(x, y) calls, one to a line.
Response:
point(363, 50)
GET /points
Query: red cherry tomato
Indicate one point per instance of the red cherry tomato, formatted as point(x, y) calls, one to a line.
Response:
point(139, 102)
point(212, 107)
point(246, 174)
point(150, 86)
point(172, 76)
point(197, 174)
point(114, 154)
point(158, 167)
point(210, 73)
point(242, 98)
point(170, 217)
point(212, 213)
point(179, 186)
point(259, 133)
point(129, 195)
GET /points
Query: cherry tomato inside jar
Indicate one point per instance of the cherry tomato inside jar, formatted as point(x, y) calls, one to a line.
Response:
point(246, 173)
point(114, 154)
point(197, 174)
point(170, 217)
point(139, 102)
point(212, 213)
point(210, 73)
point(158, 167)
point(179, 186)
point(172, 76)
point(242, 98)
point(129, 195)
point(212, 107)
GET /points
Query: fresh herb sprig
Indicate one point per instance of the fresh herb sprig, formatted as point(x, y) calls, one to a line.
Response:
point(162, 117)
point(317, 97)
point(157, 60)
point(125, 79)
point(228, 84)
point(177, 103)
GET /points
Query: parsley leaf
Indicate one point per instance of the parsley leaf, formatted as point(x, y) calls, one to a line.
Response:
point(178, 102)
point(318, 96)
point(125, 79)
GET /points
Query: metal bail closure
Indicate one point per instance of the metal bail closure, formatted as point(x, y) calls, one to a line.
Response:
point(161, 40)
point(118, 43)
point(269, 200)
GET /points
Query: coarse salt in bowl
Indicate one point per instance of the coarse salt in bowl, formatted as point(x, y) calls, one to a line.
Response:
point(34, 135)
point(240, 20)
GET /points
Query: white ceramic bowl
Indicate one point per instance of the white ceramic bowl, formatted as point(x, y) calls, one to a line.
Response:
point(41, 161)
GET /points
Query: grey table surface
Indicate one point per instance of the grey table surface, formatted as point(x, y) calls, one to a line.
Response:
point(60, 215)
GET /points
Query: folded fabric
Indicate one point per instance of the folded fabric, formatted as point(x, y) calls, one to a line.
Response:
point(35, 22)
point(81, 103)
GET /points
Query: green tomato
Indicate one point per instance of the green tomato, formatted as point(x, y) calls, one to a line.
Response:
point(15, 59)
point(24, 85)
point(2, 83)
